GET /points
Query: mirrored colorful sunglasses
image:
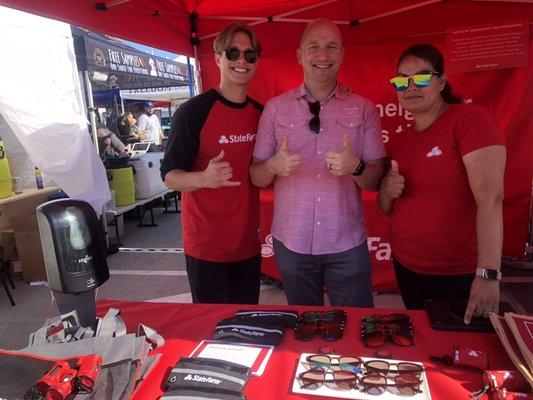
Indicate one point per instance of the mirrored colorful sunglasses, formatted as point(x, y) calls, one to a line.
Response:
point(335, 363)
point(422, 80)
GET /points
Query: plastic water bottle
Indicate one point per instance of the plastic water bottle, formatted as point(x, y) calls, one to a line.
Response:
point(38, 178)
point(6, 187)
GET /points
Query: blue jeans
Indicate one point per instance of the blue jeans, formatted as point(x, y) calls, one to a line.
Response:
point(346, 276)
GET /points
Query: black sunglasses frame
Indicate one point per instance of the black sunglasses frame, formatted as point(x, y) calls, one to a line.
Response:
point(314, 123)
point(233, 54)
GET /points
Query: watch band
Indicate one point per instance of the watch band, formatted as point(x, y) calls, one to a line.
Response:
point(359, 169)
point(491, 274)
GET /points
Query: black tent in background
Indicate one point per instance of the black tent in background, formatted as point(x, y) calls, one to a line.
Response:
point(107, 65)
point(112, 64)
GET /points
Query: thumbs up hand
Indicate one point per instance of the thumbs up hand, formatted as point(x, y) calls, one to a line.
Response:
point(283, 163)
point(342, 162)
point(393, 184)
point(218, 173)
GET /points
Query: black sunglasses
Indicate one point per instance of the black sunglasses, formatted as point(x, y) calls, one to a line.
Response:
point(250, 56)
point(314, 124)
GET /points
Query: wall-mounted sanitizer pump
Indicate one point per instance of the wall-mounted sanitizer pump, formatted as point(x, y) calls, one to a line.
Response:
point(75, 255)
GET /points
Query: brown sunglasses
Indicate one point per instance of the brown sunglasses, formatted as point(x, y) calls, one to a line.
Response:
point(314, 378)
point(402, 384)
point(384, 367)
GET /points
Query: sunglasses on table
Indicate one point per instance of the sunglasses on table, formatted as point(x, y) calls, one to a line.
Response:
point(421, 80)
point(394, 317)
point(330, 330)
point(386, 368)
point(315, 378)
point(377, 384)
point(376, 337)
point(332, 315)
point(233, 54)
point(371, 383)
point(334, 363)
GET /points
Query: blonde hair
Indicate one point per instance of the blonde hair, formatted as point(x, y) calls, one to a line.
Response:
point(224, 38)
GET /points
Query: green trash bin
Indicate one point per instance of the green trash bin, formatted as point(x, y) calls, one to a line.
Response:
point(121, 180)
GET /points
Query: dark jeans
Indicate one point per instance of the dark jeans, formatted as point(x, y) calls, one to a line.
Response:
point(225, 282)
point(415, 287)
point(346, 276)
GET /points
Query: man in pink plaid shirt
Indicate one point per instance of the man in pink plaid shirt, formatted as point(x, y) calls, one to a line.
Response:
point(321, 144)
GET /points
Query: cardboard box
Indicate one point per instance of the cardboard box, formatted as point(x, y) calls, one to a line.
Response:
point(29, 247)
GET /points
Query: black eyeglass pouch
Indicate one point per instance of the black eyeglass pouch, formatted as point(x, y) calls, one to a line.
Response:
point(285, 318)
point(207, 374)
point(240, 330)
point(201, 394)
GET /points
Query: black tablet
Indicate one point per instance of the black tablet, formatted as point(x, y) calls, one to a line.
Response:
point(449, 316)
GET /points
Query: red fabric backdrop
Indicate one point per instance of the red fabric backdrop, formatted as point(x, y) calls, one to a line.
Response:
point(384, 29)
point(507, 93)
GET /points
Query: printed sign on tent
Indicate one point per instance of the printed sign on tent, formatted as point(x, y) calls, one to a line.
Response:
point(480, 48)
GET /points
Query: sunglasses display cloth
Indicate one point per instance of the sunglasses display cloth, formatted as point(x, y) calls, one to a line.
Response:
point(239, 330)
point(363, 378)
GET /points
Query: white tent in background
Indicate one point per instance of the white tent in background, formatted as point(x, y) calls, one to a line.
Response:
point(42, 102)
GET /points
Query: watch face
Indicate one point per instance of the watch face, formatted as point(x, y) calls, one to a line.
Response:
point(491, 274)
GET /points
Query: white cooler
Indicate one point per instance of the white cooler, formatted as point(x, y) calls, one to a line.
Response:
point(147, 177)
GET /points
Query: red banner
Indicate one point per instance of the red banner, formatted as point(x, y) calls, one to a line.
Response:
point(479, 48)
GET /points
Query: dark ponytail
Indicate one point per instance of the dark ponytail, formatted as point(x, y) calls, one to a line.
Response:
point(433, 56)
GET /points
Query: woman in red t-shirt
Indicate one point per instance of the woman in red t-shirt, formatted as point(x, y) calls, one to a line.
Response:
point(444, 191)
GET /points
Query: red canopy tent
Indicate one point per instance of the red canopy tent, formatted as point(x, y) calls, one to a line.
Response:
point(375, 32)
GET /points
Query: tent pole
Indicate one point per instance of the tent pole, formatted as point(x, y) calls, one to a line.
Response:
point(92, 117)
point(195, 41)
point(198, 76)
point(191, 77)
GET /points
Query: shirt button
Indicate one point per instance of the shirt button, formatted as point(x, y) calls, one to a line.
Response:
point(351, 124)
point(319, 152)
point(319, 175)
point(321, 129)
point(319, 199)
point(292, 125)
point(318, 222)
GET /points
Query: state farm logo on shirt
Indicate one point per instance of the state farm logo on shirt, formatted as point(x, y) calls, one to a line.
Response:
point(227, 139)
point(435, 152)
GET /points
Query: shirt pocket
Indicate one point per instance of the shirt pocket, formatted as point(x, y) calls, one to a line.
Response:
point(353, 126)
point(297, 131)
point(350, 121)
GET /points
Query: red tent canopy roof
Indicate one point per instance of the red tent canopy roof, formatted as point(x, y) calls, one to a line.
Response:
point(165, 24)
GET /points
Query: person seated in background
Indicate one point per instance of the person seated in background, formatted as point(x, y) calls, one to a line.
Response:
point(109, 145)
point(444, 191)
point(128, 128)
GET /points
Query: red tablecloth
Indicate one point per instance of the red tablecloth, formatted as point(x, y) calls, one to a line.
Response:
point(377, 226)
point(184, 325)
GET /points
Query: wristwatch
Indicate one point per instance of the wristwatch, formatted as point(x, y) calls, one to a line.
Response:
point(359, 169)
point(490, 274)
